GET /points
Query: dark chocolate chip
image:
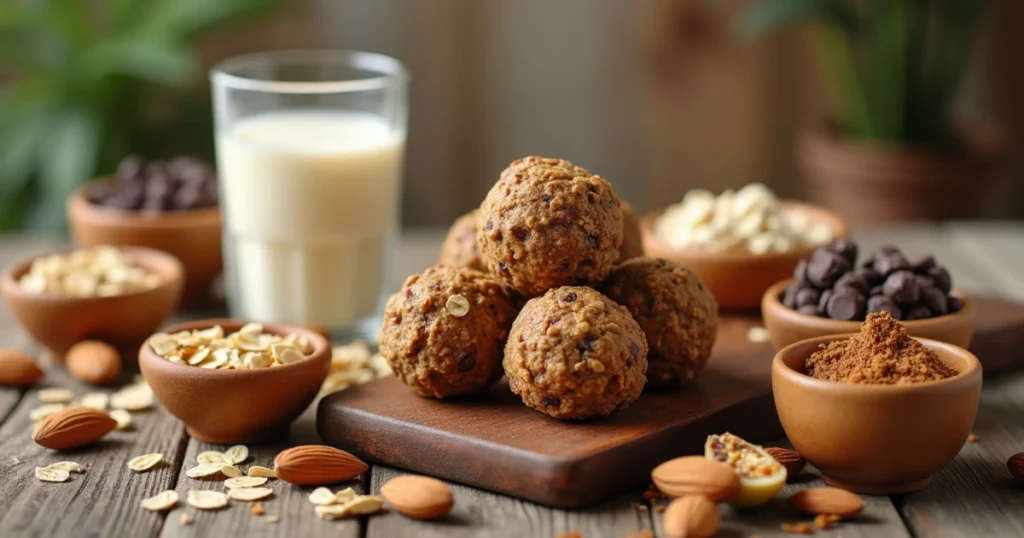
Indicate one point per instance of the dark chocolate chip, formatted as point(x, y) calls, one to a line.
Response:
point(467, 362)
point(845, 248)
point(826, 267)
point(592, 242)
point(634, 350)
point(885, 250)
point(922, 265)
point(550, 401)
point(881, 303)
point(869, 275)
point(954, 303)
point(520, 233)
point(845, 304)
point(823, 301)
point(131, 167)
point(852, 280)
point(807, 296)
point(546, 198)
point(808, 309)
point(941, 277)
point(902, 286)
point(569, 297)
point(877, 290)
point(789, 296)
point(891, 263)
point(800, 272)
point(925, 281)
point(935, 300)
point(918, 312)
point(503, 267)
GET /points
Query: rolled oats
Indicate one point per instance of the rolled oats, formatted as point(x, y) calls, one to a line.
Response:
point(248, 348)
point(237, 453)
point(69, 466)
point(245, 481)
point(213, 456)
point(145, 462)
point(322, 497)
point(231, 471)
point(164, 500)
point(137, 397)
point(331, 511)
point(457, 305)
point(43, 411)
point(122, 417)
point(47, 474)
point(345, 495)
point(204, 470)
point(352, 365)
point(365, 504)
point(758, 335)
point(205, 499)
point(595, 365)
point(249, 494)
point(94, 272)
point(55, 395)
point(273, 519)
point(95, 400)
point(260, 471)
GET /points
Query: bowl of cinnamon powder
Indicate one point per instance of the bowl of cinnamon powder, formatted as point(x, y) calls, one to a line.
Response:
point(878, 411)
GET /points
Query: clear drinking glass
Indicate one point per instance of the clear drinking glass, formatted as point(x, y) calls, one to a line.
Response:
point(310, 147)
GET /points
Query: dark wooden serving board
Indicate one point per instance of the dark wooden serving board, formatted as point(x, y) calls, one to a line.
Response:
point(495, 442)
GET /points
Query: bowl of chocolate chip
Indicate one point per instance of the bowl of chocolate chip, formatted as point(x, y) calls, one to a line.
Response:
point(166, 205)
point(878, 411)
point(830, 294)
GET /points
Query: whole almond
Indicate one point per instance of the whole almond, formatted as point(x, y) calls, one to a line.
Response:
point(316, 465)
point(790, 459)
point(1016, 465)
point(17, 369)
point(418, 497)
point(93, 362)
point(691, 516)
point(72, 427)
point(696, 475)
point(829, 501)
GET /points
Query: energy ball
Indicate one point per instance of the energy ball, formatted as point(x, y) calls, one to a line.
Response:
point(548, 223)
point(677, 313)
point(444, 331)
point(574, 354)
point(632, 240)
point(460, 248)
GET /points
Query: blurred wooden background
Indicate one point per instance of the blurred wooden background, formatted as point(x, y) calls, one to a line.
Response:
point(656, 95)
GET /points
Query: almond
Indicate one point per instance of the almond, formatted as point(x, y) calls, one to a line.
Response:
point(93, 362)
point(17, 369)
point(72, 427)
point(696, 475)
point(418, 497)
point(692, 516)
point(790, 459)
point(1016, 466)
point(315, 465)
point(815, 501)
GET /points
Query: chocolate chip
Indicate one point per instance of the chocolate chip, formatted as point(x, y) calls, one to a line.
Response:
point(589, 343)
point(800, 272)
point(941, 277)
point(918, 312)
point(520, 233)
point(881, 303)
point(845, 248)
point(807, 296)
point(877, 290)
point(546, 198)
point(922, 265)
point(550, 401)
point(634, 350)
point(890, 263)
point(130, 167)
point(592, 242)
point(823, 301)
point(935, 300)
point(789, 296)
point(902, 286)
point(503, 267)
point(954, 303)
point(569, 297)
point(845, 304)
point(808, 309)
point(852, 280)
point(885, 250)
point(869, 275)
point(467, 362)
point(826, 267)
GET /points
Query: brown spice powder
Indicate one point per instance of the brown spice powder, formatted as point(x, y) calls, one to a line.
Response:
point(882, 353)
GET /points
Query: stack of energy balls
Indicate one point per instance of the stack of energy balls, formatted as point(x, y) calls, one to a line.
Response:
point(547, 284)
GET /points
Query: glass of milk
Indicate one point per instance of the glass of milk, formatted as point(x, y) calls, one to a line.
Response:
point(309, 158)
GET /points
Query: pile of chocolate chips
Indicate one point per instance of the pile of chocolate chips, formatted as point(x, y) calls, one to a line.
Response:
point(181, 184)
point(831, 285)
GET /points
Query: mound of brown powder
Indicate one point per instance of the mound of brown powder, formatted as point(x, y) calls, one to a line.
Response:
point(881, 353)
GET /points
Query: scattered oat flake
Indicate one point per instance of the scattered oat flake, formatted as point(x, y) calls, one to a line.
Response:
point(231, 471)
point(47, 474)
point(457, 305)
point(204, 470)
point(257, 470)
point(185, 519)
point(95, 400)
point(245, 481)
point(69, 466)
point(145, 462)
point(237, 453)
point(132, 398)
point(161, 501)
point(973, 438)
point(122, 417)
point(205, 499)
point(322, 496)
point(273, 519)
point(365, 504)
point(55, 395)
point(213, 456)
point(249, 494)
point(345, 495)
point(758, 335)
point(43, 411)
point(256, 509)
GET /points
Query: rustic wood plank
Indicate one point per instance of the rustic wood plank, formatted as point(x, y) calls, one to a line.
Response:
point(478, 513)
point(289, 503)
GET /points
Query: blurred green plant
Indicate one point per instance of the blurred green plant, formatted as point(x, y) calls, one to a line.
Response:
point(892, 66)
point(87, 83)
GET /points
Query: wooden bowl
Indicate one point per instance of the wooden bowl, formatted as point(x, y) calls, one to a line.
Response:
point(237, 406)
point(738, 278)
point(125, 320)
point(194, 237)
point(787, 326)
point(876, 439)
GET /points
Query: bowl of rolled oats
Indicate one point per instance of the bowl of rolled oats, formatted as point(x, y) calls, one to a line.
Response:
point(235, 382)
point(119, 295)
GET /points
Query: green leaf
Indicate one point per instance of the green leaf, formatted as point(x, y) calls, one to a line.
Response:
point(176, 19)
point(74, 145)
point(767, 15)
point(161, 63)
point(892, 45)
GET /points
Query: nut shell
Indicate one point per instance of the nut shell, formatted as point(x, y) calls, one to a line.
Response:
point(829, 501)
point(17, 369)
point(418, 497)
point(93, 362)
point(317, 465)
point(1016, 465)
point(696, 475)
point(72, 427)
point(692, 516)
point(790, 459)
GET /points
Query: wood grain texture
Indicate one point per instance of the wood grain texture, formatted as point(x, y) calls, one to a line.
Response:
point(479, 513)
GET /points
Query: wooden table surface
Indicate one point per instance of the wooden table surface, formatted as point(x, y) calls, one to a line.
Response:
point(974, 496)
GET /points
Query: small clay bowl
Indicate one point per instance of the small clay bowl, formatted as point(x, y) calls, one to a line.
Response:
point(876, 439)
point(57, 322)
point(787, 326)
point(738, 278)
point(237, 406)
point(194, 237)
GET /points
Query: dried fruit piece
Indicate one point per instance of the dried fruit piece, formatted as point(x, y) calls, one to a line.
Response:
point(790, 459)
point(205, 499)
point(47, 474)
point(69, 466)
point(312, 465)
point(45, 410)
point(237, 453)
point(245, 481)
point(418, 497)
point(249, 494)
point(691, 516)
point(122, 418)
point(696, 475)
point(17, 369)
point(1016, 466)
point(145, 462)
point(816, 501)
point(230, 471)
point(761, 477)
point(257, 470)
point(203, 470)
point(256, 509)
point(55, 395)
point(322, 497)
point(72, 427)
point(161, 501)
point(213, 456)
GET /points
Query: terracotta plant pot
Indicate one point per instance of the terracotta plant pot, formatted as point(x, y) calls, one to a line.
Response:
point(871, 184)
point(194, 237)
